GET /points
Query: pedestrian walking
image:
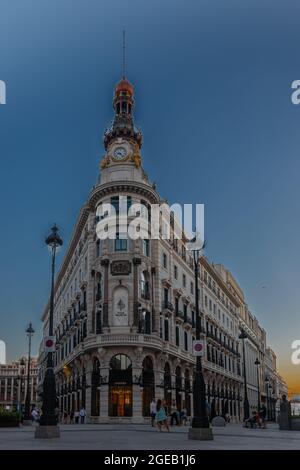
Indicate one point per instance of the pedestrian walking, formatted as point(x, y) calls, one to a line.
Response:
point(72, 417)
point(183, 416)
point(76, 415)
point(161, 416)
point(174, 414)
point(82, 414)
point(153, 411)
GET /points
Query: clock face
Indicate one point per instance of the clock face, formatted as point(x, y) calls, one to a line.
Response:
point(120, 153)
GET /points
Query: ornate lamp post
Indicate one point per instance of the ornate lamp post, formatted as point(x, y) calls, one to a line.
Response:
point(22, 366)
point(243, 336)
point(27, 416)
point(268, 387)
point(48, 423)
point(200, 424)
point(257, 363)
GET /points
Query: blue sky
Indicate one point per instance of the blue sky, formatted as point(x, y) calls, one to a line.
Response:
point(212, 82)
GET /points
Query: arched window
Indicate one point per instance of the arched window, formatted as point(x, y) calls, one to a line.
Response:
point(120, 362)
point(120, 386)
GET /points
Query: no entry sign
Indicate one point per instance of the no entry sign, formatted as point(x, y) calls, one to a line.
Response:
point(49, 344)
point(198, 347)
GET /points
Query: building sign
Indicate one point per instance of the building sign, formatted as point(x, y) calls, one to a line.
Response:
point(120, 307)
point(122, 268)
point(198, 348)
point(49, 344)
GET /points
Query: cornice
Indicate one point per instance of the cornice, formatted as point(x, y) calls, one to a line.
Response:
point(205, 263)
point(122, 187)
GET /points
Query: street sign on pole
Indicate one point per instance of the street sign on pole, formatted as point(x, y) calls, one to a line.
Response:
point(49, 344)
point(198, 347)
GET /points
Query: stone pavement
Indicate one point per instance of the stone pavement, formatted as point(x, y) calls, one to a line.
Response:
point(135, 437)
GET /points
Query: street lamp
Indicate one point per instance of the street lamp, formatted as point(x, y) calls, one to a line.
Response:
point(27, 417)
point(48, 423)
point(243, 336)
point(268, 387)
point(22, 366)
point(257, 363)
point(200, 424)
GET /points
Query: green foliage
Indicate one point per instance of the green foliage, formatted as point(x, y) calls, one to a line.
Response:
point(9, 416)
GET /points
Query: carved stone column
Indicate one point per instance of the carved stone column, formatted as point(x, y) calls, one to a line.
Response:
point(136, 263)
point(105, 264)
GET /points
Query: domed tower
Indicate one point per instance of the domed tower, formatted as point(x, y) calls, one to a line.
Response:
point(124, 324)
point(123, 125)
point(122, 140)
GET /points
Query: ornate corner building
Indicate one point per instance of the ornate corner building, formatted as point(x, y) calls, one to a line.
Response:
point(124, 314)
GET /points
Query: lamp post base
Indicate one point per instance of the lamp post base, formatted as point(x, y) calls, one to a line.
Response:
point(47, 432)
point(201, 434)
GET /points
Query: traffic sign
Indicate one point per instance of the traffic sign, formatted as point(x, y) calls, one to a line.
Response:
point(198, 347)
point(49, 343)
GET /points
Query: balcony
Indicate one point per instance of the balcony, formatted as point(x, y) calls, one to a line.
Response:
point(179, 314)
point(188, 320)
point(166, 305)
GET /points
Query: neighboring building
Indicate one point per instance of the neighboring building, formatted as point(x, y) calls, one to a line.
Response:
point(270, 384)
point(13, 383)
point(124, 314)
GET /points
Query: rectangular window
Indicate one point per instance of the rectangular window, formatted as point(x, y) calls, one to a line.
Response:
point(165, 260)
point(166, 296)
point(185, 312)
point(146, 247)
point(184, 280)
point(120, 243)
point(177, 335)
point(166, 330)
point(205, 300)
point(98, 248)
point(192, 288)
point(129, 203)
point(175, 272)
point(185, 341)
point(115, 203)
point(210, 304)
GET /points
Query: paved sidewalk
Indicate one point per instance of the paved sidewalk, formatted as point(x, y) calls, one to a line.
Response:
point(135, 437)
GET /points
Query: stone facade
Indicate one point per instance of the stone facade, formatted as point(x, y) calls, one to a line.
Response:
point(125, 309)
point(13, 383)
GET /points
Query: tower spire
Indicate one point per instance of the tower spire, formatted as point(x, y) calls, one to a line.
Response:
point(124, 57)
